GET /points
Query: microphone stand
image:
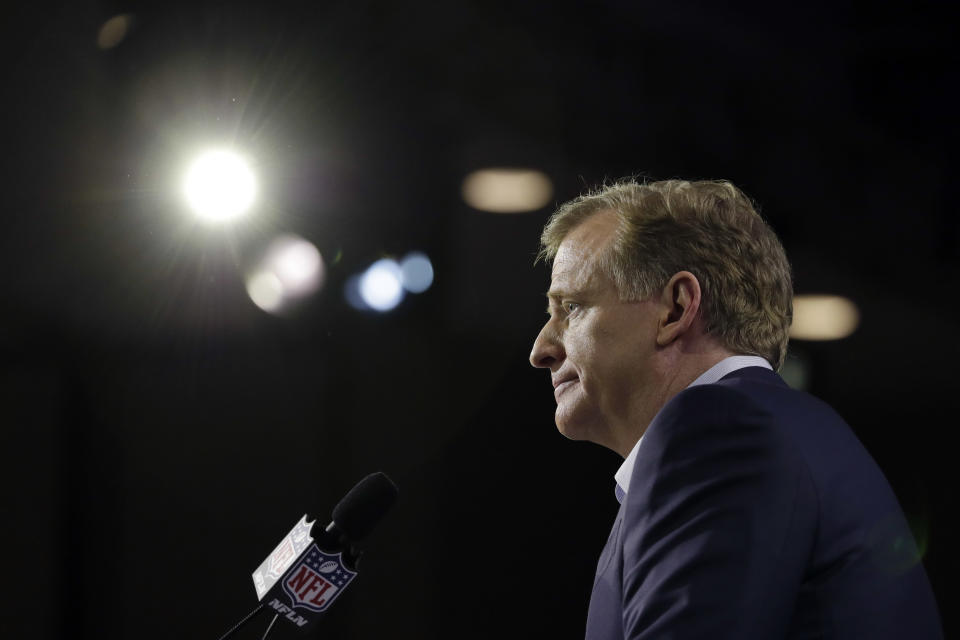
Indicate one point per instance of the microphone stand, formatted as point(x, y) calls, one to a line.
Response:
point(240, 625)
point(270, 626)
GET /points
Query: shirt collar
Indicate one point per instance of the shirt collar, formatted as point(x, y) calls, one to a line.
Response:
point(710, 376)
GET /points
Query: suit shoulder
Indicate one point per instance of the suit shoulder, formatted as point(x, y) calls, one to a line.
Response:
point(723, 416)
point(713, 415)
point(711, 401)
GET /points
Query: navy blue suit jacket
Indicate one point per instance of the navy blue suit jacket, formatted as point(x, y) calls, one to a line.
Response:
point(754, 512)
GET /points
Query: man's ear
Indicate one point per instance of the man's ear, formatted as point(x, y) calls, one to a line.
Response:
point(679, 304)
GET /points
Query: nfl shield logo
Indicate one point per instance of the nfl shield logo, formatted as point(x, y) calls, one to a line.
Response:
point(316, 580)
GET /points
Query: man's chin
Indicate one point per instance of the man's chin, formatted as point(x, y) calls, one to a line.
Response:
point(575, 429)
point(583, 424)
point(570, 434)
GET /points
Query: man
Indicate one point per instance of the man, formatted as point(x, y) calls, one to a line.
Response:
point(748, 509)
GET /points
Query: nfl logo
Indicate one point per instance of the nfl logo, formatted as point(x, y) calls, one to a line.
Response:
point(317, 579)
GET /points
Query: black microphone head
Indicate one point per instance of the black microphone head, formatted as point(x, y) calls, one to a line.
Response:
point(362, 508)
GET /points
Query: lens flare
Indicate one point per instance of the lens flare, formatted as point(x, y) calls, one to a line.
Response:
point(297, 263)
point(381, 285)
point(291, 268)
point(416, 272)
point(265, 290)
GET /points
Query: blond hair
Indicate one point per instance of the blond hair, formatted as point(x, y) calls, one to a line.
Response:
point(709, 228)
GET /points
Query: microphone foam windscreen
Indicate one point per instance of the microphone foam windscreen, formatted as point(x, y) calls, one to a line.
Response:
point(362, 508)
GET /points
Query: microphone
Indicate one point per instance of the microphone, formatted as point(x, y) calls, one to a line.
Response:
point(361, 509)
point(304, 575)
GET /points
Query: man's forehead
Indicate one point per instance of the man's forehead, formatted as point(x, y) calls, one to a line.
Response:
point(580, 250)
point(573, 274)
point(568, 265)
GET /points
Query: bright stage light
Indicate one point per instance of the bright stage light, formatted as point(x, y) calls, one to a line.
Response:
point(219, 186)
point(823, 317)
point(507, 190)
point(381, 285)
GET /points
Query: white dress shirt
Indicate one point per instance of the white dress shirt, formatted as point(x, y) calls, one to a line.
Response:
point(711, 375)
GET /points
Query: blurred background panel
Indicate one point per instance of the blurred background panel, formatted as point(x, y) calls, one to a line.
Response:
point(189, 365)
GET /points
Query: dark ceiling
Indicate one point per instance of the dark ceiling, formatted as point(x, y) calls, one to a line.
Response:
point(164, 432)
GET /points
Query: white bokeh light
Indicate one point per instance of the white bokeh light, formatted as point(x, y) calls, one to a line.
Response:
point(265, 290)
point(381, 285)
point(291, 269)
point(219, 186)
point(297, 263)
point(416, 272)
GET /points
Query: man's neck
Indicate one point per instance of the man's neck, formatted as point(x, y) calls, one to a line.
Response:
point(677, 370)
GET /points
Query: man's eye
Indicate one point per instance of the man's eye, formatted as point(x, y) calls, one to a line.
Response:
point(570, 307)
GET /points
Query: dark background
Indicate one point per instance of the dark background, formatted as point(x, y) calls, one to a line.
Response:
point(162, 433)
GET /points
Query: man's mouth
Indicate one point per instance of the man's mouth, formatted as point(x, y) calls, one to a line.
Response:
point(563, 386)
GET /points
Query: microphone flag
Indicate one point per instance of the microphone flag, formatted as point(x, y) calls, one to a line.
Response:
point(289, 549)
point(316, 580)
point(310, 573)
point(311, 578)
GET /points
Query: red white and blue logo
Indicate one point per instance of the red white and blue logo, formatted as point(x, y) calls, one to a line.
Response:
point(317, 579)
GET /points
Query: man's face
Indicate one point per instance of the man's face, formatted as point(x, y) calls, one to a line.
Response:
point(599, 349)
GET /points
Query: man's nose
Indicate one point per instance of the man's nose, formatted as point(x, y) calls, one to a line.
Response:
point(547, 349)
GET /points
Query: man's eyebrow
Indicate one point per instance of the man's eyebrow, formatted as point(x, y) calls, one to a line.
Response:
point(554, 296)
